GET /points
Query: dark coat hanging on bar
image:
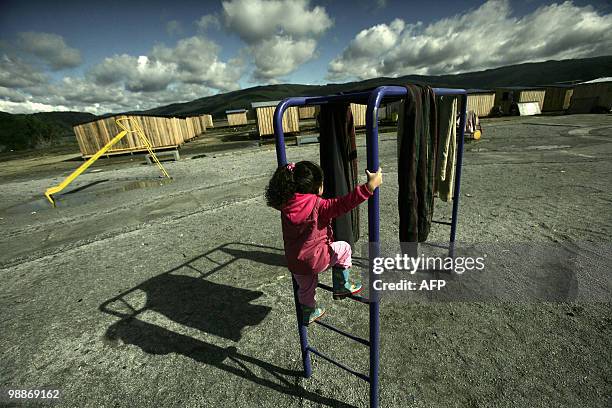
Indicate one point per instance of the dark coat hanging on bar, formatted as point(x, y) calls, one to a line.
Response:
point(417, 152)
point(338, 158)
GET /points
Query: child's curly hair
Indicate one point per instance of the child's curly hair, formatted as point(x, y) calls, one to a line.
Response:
point(302, 177)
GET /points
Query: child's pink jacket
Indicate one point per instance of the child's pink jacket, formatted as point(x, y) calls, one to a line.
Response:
point(307, 232)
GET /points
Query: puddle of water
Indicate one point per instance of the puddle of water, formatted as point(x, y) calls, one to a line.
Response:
point(547, 147)
point(134, 185)
point(76, 197)
point(37, 206)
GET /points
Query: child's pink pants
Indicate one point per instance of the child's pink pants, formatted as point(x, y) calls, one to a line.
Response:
point(341, 256)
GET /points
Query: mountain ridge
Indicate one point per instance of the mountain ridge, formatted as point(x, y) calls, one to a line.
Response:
point(526, 74)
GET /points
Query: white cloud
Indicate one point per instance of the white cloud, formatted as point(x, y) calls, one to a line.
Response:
point(15, 73)
point(189, 70)
point(79, 94)
point(192, 60)
point(208, 21)
point(137, 73)
point(486, 37)
point(174, 27)
point(195, 60)
point(81, 91)
point(180, 92)
point(29, 107)
point(280, 35)
point(255, 20)
point(279, 56)
point(51, 48)
point(11, 95)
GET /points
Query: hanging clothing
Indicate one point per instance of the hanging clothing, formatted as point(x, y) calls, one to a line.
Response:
point(447, 147)
point(417, 151)
point(338, 158)
point(472, 122)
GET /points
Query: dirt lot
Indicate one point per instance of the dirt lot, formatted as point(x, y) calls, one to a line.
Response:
point(141, 292)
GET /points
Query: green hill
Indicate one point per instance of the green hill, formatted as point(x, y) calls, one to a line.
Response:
point(41, 129)
point(29, 131)
point(529, 74)
point(65, 119)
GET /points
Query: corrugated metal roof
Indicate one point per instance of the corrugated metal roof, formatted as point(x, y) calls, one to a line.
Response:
point(521, 88)
point(236, 111)
point(477, 91)
point(152, 115)
point(594, 81)
point(256, 105)
point(565, 86)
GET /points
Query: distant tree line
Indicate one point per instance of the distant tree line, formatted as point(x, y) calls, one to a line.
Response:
point(20, 132)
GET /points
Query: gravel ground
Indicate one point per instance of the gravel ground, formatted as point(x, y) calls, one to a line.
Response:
point(137, 291)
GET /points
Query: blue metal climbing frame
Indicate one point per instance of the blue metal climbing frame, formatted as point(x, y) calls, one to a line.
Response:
point(372, 99)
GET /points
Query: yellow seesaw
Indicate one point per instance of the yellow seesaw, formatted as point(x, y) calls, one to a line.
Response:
point(137, 129)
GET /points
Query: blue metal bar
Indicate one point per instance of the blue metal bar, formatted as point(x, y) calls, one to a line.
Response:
point(279, 135)
point(374, 215)
point(342, 332)
point(356, 97)
point(354, 297)
point(373, 99)
point(458, 166)
point(302, 332)
point(373, 164)
point(282, 160)
point(338, 364)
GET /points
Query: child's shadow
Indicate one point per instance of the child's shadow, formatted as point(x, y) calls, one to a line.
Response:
point(157, 314)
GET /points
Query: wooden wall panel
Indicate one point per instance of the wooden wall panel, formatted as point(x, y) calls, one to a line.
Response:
point(208, 120)
point(265, 120)
point(160, 131)
point(359, 114)
point(532, 96)
point(306, 112)
point(481, 103)
point(237, 119)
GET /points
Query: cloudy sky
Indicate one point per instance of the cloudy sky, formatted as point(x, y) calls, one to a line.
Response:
point(111, 56)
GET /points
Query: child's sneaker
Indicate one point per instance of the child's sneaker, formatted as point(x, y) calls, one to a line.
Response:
point(310, 314)
point(343, 285)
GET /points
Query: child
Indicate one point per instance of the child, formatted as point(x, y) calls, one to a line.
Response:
point(295, 190)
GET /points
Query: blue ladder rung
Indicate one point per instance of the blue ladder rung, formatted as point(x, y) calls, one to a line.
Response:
point(354, 297)
point(336, 363)
point(349, 335)
point(442, 222)
point(434, 245)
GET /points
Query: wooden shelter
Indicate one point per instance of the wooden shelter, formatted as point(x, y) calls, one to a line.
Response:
point(389, 111)
point(359, 114)
point(557, 98)
point(162, 131)
point(265, 118)
point(481, 101)
point(236, 117)
point(307, 112)
point(592, 96)
point(505, 97)
point(184, 129)
point(208, 121)
point(198, 123)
